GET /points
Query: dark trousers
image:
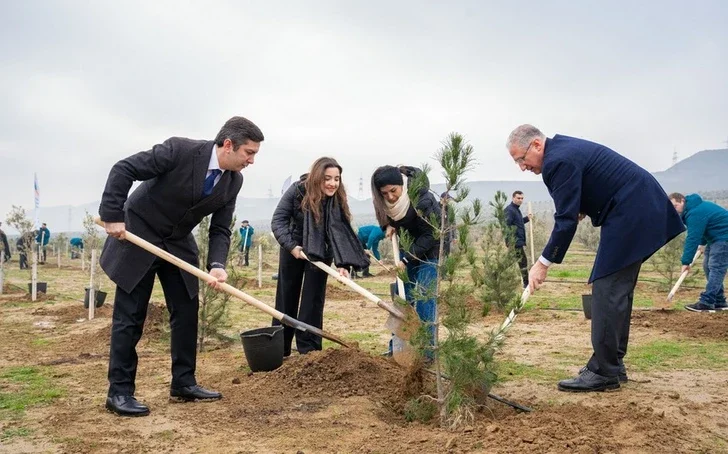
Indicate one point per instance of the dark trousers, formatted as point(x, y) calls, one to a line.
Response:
point(295, 276)
point(42, 254)
point(23, 257)
point(522, 264)
point(612, 298)
point(246, 254)
point(130, 311)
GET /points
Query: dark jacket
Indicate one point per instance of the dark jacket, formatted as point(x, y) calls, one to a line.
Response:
point(5, 245)
point(630, 206)
point(706, 223)
point(517, 221)
point(425, 245)
point(287, 221)
point(331, 239)
point(165, 208)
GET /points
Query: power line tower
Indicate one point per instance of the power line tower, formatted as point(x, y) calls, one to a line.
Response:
point(361, 187)
point(674, 157)
point(270, 192)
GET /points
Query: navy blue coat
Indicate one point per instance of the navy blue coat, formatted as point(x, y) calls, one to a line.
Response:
point(630, 206)
point(515, 219)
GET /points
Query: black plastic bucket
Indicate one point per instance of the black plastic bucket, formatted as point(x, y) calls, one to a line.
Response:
point(586, 305)
point(40, 287)
point(99, 296)
point(263, 348)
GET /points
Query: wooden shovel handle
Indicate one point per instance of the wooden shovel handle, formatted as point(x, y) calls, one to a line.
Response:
point(378, 261)
point(682, 277)
point(357, 288)
point(397, 261)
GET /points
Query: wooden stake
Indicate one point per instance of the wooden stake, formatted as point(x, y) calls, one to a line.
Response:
point(530, 228)
point(83, 260)
point(91, 293)
point(58, 257)
point(260, 265)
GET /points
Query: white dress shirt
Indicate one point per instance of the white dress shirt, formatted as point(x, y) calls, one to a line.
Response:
point(214, 164)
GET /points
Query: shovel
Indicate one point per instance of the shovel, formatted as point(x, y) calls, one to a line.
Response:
point(682, 277)
point(227, 288)
point(378, 261)
point(401, 351)
point(401, 321)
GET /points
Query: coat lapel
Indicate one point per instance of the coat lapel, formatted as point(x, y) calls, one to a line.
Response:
point(200, 163)
point(218, 191)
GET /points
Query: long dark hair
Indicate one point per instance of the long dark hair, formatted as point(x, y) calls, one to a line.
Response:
point(314, 194)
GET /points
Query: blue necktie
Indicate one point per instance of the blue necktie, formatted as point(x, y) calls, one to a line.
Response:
point(210, 182)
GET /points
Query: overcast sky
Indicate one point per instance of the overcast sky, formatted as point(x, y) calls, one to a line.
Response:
point(86, 83)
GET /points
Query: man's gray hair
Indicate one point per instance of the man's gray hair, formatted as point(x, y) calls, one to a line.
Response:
point(523, 135)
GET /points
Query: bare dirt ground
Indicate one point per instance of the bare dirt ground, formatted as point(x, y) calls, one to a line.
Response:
point(341, 401)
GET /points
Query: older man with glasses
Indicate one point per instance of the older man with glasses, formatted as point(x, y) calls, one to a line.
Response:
point(636, 219)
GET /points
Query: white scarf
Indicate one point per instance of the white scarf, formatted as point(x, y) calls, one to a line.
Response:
point(398, 209)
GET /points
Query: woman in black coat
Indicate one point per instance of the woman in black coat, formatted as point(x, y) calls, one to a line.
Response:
point(312, 216)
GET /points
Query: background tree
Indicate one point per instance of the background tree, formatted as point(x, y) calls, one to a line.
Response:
point(18, 220)
point(213, 315)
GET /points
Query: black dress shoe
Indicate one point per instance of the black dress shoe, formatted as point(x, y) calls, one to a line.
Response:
point(589, 381)
point(622, 373)
point(126, 406)
point(190, 393)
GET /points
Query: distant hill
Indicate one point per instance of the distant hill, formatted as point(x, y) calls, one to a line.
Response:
point(702, 172)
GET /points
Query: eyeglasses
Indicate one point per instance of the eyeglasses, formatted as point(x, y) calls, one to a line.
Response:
point(522, 159)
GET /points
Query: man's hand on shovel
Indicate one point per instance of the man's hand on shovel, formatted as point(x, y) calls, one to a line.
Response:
point(115, 229)
point(220, 276)
point(537, 276)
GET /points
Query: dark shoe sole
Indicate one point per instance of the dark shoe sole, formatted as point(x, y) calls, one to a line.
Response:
point(184, 399)
point(611, 387)
point(111, 409)
point(623, 379)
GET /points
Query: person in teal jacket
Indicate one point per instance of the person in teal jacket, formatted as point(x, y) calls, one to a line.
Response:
point(246, 240)
point(369, 237)
point(707, 224)
point(42, 238)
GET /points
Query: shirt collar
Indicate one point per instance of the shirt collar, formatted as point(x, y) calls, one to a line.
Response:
point(214, 164)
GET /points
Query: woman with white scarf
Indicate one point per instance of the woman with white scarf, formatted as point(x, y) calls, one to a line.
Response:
point(395, 212)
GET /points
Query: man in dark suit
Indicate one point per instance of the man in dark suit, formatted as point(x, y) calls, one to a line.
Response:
point(517, 237)
point(636, 219)
point(183, 181)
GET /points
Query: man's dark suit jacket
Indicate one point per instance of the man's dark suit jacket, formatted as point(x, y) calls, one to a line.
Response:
point(634, 213)
point(165, 208)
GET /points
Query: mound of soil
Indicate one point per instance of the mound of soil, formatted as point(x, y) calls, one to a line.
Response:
point(71, 313)
point(686, 324)
point(579, 428)
point(338, 373)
